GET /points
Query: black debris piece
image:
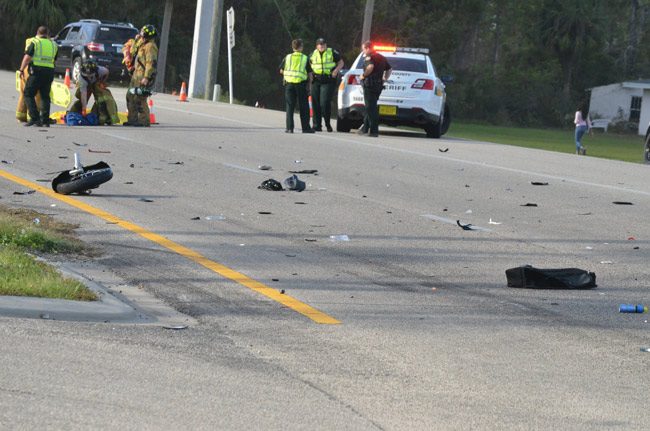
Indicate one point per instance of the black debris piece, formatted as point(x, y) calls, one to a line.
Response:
point(443, 150)
point(529, 205)
point(466, 186)
point(176, 163)
point(49, 137)
point(275, 279)
point(43, 180)
point(128, 182)
point(63, 157)
point(282, 291)
point(8, 162)
point(265, 212)
point(622, 203)
point(263, 167)
point(539, 183)
point(305, 171)
point(99, 151)
point(467, 226)
point(175, 327)
point(271, 185)
point(310, 240)
point(145, 200)
point(90, 177)
point(636, 248)
point(28, 192)
point(585, 214)
point(131, 165)
point(527, 277)
point(80, 145)
point(300, 203)
point(195, 218)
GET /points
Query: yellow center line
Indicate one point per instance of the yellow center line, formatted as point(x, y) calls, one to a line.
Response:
point(242, 279)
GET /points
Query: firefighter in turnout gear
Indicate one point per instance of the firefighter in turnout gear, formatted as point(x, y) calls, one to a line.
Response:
point(92, 81)
point(39, 56)
point(21, 107)
point(296, 70)
point(326, 64)
point(145, 62)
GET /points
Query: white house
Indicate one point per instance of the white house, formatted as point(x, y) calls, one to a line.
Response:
point(623, 101)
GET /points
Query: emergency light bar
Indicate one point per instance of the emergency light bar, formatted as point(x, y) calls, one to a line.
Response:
point(392, 48)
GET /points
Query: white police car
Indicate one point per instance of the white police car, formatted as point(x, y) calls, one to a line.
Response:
point(413, 96)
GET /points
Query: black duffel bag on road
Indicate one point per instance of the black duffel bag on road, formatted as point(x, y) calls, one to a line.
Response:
point(527, 277)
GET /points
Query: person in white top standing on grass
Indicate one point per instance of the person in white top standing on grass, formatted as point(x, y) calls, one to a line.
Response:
point(583, 125)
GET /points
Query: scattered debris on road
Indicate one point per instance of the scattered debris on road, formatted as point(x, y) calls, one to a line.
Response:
point(310, 240)
point(443, 150)
point(80, 145)
point(219, 217)
point(529, 204)
point(337, 238)
point(175, 327)
point(265, 212)
point(271, 185)
point(528, 277)
point(99, 151)
point(300, 203)
point(176, 163)
point(264, 168)
point(145, 200)
point(493, 222)
point(305, 171)
point(294, 183)
point(81, 179)
point(606, 262)
point(631, 308)
point(8, 162)
point(539, 183)
point(467, 226)
point(622, 203)
point(28, 192)
point(645, 349)
point(195, 218)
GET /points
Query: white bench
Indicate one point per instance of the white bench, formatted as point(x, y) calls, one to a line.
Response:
point(601, 123)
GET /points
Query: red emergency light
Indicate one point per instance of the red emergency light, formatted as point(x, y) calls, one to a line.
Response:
point(385, 48)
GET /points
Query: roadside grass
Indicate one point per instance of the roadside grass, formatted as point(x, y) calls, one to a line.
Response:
point(23, 231)
point(628, 148)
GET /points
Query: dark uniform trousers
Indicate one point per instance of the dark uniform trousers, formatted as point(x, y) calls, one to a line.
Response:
point(370, 97)
point(321, 97)
point(39, 81)
point(297, 93)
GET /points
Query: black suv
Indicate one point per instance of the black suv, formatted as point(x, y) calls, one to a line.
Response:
point(92, 38)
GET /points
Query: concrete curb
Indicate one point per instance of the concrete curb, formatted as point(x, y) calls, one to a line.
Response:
point(130, 305)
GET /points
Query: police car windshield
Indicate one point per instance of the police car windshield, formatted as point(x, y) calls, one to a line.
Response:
point(114, 34)
point(402, 64)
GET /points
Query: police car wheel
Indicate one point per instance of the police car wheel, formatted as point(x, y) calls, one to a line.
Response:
point(646, 154)
point(446, 122)
point(342, 125)
point(433, 130)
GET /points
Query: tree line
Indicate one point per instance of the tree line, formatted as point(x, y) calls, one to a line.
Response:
point(514, 62)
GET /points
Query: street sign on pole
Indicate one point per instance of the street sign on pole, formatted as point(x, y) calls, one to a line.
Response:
point(231, 43)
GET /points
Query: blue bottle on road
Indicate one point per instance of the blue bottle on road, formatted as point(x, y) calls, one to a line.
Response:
point(631, 308)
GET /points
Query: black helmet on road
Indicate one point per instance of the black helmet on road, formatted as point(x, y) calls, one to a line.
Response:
point(149, 31)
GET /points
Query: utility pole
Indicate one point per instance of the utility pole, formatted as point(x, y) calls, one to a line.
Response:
point(200, 48)
point(367, 20)
point(159, 86)
point(215, 46)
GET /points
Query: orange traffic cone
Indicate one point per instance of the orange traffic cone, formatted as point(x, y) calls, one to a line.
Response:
point(66, 80)
point(183, 97)
point(311, 108)
point(152, 115)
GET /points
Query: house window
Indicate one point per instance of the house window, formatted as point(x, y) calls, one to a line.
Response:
point(635, 109)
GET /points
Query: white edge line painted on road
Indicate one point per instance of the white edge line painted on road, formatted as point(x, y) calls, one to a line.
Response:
point(450, 221)
point(436, 156)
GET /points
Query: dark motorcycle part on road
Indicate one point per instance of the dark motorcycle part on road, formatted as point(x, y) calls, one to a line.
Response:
point(294, 183)
point(527, 277)
point(92, 177)
point(271, 184)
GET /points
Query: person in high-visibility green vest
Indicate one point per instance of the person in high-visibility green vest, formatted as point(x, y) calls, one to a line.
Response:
point(326, 63)
point(39, 56)
point(296, 71)
point(21, 107)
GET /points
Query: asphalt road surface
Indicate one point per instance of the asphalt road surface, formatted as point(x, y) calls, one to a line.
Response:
point(430, 336)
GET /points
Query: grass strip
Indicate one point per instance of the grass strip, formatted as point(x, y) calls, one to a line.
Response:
point(628, 148)
point(22, 275)
point(23, 231)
